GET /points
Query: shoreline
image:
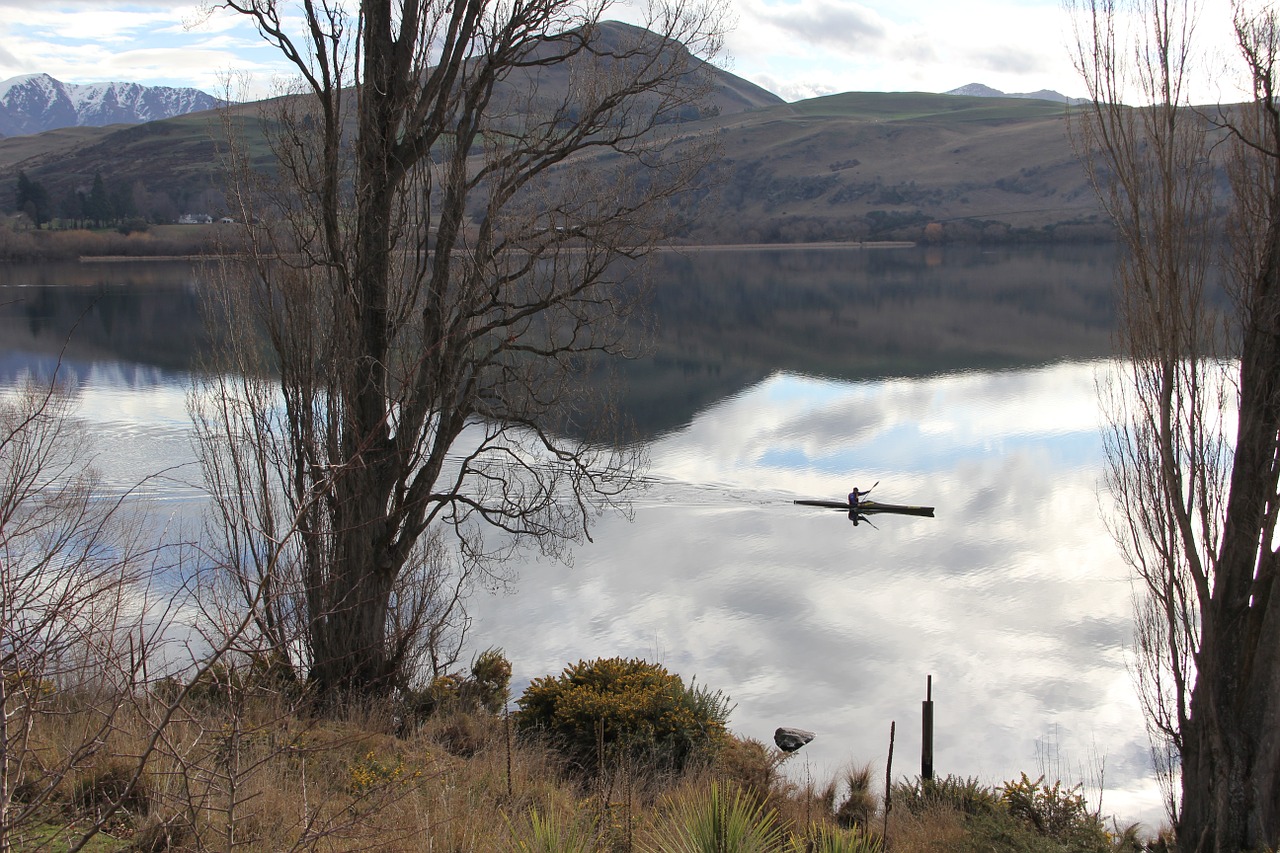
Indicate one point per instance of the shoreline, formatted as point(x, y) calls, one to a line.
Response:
point(678, 249)
point(822, 246)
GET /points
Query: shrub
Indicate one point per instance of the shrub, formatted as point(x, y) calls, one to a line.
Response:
point(486, 689)
point(1057, 812)
point(227, 682)
point(966, 796)
point(613, 707)
point(160, 835)
point(491, 672)
point(750, 764)
point(370, 773)
point(105, 790)
point(859, 804)
point(463, 734)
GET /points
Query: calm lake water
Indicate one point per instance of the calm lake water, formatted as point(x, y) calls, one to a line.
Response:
point(960, 379)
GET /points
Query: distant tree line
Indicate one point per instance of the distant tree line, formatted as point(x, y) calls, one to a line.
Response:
point(105, 204)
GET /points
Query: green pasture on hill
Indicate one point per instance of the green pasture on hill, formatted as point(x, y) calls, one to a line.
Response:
point(908, 106)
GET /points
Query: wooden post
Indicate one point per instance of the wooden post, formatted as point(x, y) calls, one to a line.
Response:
point(926, 739)
point(888, 785)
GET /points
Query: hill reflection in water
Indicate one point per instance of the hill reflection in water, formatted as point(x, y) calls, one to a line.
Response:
point(723, 321)
point(717, 322)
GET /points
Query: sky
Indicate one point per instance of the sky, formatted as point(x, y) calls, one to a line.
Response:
point(794, 48)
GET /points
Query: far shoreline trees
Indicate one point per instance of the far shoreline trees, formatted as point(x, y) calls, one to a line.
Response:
point(99, 202)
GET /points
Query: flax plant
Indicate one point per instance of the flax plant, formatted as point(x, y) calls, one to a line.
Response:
point(551, 833)
point(714, 820)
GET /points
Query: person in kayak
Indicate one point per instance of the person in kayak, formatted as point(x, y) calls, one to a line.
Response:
point(854, 501)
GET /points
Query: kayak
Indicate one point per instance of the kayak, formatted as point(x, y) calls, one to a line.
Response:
point(870, 507)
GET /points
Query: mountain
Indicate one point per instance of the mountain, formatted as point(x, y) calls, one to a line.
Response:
point(977, 90)
point(35, 103)
point(856, 166)
point(728, 93)
point(850, 167)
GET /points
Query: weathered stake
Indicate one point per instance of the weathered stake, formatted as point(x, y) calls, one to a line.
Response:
point(926, 739)
point(888, 785)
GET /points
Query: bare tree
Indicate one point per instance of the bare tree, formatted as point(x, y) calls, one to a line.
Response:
point(432, 258)
point(1197, 500)
point(75, 632)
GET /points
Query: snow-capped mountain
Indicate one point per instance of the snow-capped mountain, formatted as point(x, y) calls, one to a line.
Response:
point(34, 103)
point(977, 90)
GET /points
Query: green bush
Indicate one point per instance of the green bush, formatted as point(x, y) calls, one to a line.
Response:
point(625, 708)
point(1018, 817)
point(485, 690)
point(828, 839)
point(966, 796)
point(1057, 812)
point(550, 833)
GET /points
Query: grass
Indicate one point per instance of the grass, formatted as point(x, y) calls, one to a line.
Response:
point(906, 106)
point(259, 776)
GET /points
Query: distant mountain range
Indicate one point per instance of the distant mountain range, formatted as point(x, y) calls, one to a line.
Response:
point(971, 165)
point(977, 90)
point(34, 103)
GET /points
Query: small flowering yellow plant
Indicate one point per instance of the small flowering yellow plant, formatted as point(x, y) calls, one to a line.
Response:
point(370, 773)
point(21, 682)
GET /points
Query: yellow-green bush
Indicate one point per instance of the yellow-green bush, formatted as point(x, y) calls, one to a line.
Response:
point(486, 689)
point(1056, 811)
point(627, 707)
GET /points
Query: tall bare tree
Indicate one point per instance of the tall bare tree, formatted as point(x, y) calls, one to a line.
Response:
point(1196, 429)
point(432, 258)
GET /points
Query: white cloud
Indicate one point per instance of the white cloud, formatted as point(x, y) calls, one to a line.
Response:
point(796, 48)
point(830, 23)
point(810, 47)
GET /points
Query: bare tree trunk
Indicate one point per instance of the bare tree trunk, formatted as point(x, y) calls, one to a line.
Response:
point(351, 642)
point(1198, 513)
point(456, 183)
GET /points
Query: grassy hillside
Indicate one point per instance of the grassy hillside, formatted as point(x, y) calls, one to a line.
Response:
point(884, 165)
point(905, 106)
point(855, 166)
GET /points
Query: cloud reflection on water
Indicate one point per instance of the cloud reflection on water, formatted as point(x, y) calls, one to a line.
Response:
point(1013, 598)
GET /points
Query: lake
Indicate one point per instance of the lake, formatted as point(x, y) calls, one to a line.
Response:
point(956, 378)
